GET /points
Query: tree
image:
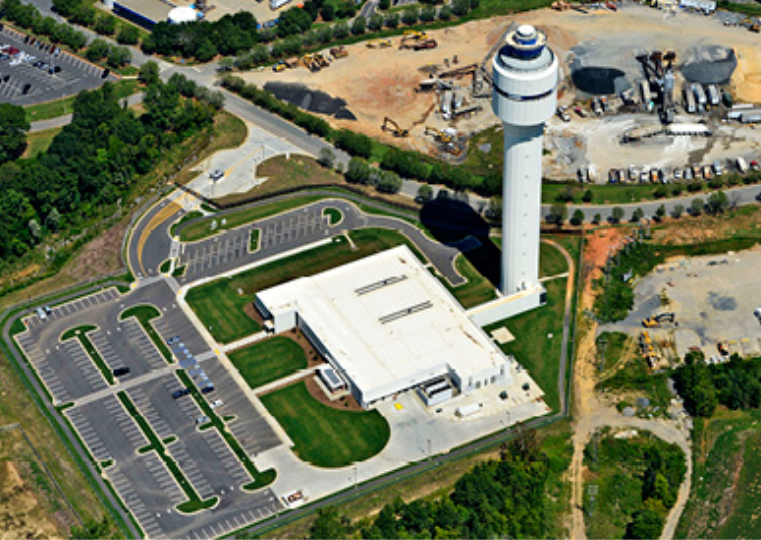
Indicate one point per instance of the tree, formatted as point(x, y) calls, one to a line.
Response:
point(717, 202)
point(328, 12)
point(494, 210)
point(391, 20)
point(617, 214)
point(340, 30)
point(118, 56)
point(587, 197)
point(293, 21)
point(660, 212)
point(226, 64)
point(128, 35)
point(105, 25)
point(645, 524)
point(384, 4)
point(637, 215)
point(411, 15)
point(461, 7)
point(358, 171)
point(696, 206)
point(376, 22)
point(13, 128)
point(597, 219)
point(428, 13)
point(558, 214)
point(388, 182)
point(678, 211)
point(148, 73)
point(327, 158)
point(206, 51)
point(358, 26)
point(53, 220)
point(577, 218)
point(97, 50)
point(424, 194)
point(328, 524)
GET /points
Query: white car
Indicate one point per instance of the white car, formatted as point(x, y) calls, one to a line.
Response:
point(216, 403)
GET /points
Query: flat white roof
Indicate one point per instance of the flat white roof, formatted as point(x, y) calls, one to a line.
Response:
point(387, 322)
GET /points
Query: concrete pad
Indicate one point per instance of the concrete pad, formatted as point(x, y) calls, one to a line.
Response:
point(503, 335)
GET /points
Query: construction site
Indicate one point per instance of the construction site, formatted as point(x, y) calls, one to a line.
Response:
point(640, 86)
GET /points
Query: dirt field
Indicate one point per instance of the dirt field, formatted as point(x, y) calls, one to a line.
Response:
point(24, 511)
point(376, 83)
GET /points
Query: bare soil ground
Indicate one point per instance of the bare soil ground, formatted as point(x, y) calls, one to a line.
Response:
point(381, 82)
point(27, 507)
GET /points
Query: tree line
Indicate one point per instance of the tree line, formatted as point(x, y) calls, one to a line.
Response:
point(241, 36)
point(735, 384)
point(504, 498)
point(28, 17)
point(83, 13)
point(95, 161)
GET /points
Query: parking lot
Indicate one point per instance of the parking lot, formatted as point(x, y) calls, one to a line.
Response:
point(219, 254)
point(112, 436)
point(21, 83)
point(713, 298)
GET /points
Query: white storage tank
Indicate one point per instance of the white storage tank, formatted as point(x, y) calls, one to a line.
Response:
point(183, 14)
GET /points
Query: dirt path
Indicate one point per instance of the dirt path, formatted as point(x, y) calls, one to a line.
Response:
point(592, 414)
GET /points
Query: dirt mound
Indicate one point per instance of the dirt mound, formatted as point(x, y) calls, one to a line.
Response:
point(20, 513)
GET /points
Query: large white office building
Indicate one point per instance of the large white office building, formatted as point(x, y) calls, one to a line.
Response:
point(387, 325)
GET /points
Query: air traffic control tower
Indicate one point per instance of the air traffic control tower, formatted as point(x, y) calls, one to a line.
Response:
point(524, 98)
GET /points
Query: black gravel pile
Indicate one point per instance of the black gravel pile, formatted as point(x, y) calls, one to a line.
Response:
point(310, 100)
point(711, 64)
point(600, 81)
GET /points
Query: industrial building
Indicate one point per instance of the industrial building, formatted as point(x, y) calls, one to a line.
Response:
point(386, 325)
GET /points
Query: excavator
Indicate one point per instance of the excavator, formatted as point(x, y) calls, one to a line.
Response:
point(439, 135)
point(339, 52)
point(412, 37)
point(656, 320)
point(394, 128)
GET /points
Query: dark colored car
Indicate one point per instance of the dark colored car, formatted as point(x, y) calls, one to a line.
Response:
point(180, 393)
point(207, 389)
point(118, 372)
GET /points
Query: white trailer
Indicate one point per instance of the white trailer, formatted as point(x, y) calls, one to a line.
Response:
point(742, 166)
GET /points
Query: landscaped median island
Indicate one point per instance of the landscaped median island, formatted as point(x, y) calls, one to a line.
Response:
point(194, 502)
point(260, 479)
point(269, 360)
point(323, 435)
point(144, 315)
point(80, 333)
point(220, 304)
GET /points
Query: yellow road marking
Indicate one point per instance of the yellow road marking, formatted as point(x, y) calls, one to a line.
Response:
point(230, 169)
point(160, 217)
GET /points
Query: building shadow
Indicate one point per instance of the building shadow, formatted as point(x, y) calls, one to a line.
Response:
point(457, 224)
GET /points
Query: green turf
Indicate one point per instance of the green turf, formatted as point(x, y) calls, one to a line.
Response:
point(334, 215)
point(476, 291)
point(213, 224)
point(269, 360)
point(551, 261)
point(532, 347)
point(219, 304)
point(165, 266)
point(193, 214)
point(61, 107)
point(322, 435)
point(190, 507)
point(253, 240)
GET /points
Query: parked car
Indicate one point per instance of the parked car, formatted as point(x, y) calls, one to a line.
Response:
point(216, 403)
point(707, 173)
point(718, 168)
point(688, 173)
point(121, 371)
point(202, 420)
point(677, 175)
point(181, 392)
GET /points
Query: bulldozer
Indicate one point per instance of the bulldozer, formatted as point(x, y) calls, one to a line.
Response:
point(656, 320)
point(413, 37)
point(391, 126)
point(339, 52)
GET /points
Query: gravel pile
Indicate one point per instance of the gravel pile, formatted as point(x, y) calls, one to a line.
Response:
point(310, 100)
point(710, 64)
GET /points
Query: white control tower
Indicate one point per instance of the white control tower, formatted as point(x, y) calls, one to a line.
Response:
point(524, 98)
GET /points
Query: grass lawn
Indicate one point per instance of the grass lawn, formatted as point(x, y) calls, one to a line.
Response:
point(551, 261)
point(61, 107)
point(532, 347)
point(269, 360)
point(206, 227)
point(219, 304)
point(324, 436)
point(726, 479)
point(229, 132)
point(286, 174)
point(478, 290)
point(39, 141)
point(334, 215)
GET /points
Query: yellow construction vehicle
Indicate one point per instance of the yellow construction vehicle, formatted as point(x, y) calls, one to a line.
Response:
point(394, 128)
point(415, 34)
point(755, 27)
point(280, 66)
point(339, 52)
point(380, 44)
point(650, 322)
point(413, 37)
point(656, 320)
point(439, 135)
